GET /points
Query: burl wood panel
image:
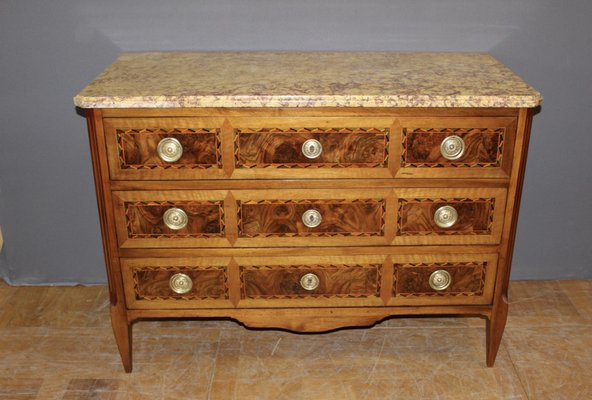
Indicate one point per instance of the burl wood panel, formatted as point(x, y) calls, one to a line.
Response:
point(483, 147)
point(144, 219)
point(282, 148)
point(416, 216)
point(281, 281)
point(284, 218)
point(137, 148)
point(468, 279)
point(152, 283)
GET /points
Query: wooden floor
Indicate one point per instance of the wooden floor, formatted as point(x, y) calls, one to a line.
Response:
point(56, 343)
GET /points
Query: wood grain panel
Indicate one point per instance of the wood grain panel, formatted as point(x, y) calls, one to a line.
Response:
point(480, 216)
point(272, 147)
point(282, 148)
point(473, 278)
point(489, 144)
point(152, 283)
point(132, 142)
point(413, 279)
point(139, 218)
point(145, 219)
point(147, 282)
point(416, 216)
point(284, 218)
point(344, 281)
point(350, 217)
point(138, 148)
point(483, 147)
point(280, 282)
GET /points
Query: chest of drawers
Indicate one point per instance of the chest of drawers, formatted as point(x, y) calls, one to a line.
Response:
point(307, 191)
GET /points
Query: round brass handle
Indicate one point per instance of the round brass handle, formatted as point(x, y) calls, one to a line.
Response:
point(452, 147)
point(309, 281)
point(445, 216)
point(175, 218)
point(312, 148)
point(440, 279)
point(169, 149)
point(180, 283)
point(312, 218)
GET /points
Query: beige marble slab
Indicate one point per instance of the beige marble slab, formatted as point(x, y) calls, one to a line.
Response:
point(313, 79)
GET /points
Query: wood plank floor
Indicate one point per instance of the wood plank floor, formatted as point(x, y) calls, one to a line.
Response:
point(56, 343)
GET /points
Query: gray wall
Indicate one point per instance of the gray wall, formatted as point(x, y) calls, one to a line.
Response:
point(50, 49)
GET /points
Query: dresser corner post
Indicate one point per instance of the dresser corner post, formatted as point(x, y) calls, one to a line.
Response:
point(122, 330)
point(496, 322)
point(119, 316)
point(495, 326)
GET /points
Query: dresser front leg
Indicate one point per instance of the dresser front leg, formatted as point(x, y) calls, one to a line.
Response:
point(495, 328)
point(122, 329)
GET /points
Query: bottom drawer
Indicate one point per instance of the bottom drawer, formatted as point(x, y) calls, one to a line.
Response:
point(309, 281)
point(443, 279)
point(176, 282)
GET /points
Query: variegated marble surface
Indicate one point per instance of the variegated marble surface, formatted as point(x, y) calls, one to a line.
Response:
point(312, 79)
point(57, 343)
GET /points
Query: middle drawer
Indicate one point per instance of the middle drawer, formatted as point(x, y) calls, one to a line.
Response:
point(315, 217)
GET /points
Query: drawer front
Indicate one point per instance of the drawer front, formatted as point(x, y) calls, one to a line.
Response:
point(309, 147)
point(327, 148)
point(449, 216)
point(299, 218)
point(170, 218)
point(164, 148)
point(315, 217)
point(176, 283)
point(314, 281)
point(410, 278)
point(443, 279)
point(455, 147)
point(312, 147)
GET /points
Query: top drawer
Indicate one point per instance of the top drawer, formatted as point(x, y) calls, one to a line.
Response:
point(479, 147)
point(308, 147)
point(164, 148)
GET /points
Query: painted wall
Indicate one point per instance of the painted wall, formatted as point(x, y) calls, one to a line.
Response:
point(49, 50)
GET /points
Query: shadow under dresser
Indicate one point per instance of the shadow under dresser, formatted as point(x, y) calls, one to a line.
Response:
point(308, 191)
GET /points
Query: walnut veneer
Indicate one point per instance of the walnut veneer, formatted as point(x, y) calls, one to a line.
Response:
point(382, 190)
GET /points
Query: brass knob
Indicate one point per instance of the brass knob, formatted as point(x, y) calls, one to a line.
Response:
point(452, 147)
point(312, 148)
point(169, 149)
point(440, 279)
point(309, 281)
point(180, 283)
point(445, 216)
point(175, 218)
point(312, 218)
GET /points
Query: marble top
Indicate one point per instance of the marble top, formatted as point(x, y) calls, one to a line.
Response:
point(312, 79)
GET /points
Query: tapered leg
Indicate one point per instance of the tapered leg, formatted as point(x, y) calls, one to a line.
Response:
point(122, 330)
point(495, 329)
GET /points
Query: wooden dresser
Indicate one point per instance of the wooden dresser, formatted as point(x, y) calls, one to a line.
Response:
point(308, 191)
